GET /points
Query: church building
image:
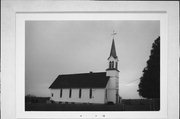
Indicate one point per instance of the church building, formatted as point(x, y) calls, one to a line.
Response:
point(92, 87)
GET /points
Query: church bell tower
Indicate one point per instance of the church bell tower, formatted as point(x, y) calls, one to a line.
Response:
point(113, 73)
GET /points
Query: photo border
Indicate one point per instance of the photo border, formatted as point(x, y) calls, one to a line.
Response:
point(93, 7)
point(66, 16)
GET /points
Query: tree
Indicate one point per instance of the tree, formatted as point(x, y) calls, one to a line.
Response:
point(149, 86)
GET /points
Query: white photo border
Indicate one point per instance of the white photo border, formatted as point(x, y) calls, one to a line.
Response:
point(17, 67)
point(20, 62)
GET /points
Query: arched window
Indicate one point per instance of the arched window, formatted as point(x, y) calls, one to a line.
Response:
point(116, 65)
point(106, 94)
point(112, 64)
point(90, 93)
point(61, 91)
point(70, 91)
point(80, 93)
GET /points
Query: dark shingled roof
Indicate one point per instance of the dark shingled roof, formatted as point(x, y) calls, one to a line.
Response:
point(84, 80)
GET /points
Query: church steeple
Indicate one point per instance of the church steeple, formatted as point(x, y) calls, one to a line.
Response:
point(113, 73)
point(113, 58)
point(113, 50)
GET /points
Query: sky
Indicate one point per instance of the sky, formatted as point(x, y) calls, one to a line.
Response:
point(53, 48)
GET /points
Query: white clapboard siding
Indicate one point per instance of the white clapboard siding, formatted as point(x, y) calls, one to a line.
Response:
point(98, 96)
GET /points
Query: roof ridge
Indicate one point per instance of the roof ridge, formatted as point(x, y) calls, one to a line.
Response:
point(82, 73)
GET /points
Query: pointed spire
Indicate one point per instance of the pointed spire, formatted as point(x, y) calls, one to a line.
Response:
point(113, 50)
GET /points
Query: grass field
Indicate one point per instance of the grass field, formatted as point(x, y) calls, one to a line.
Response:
point(40, 104)
point(73, 107)
point(86, 107)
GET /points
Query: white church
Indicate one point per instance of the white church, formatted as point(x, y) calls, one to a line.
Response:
point(92, 87)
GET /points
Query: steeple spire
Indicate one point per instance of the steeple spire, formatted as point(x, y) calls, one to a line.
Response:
point(113, 50)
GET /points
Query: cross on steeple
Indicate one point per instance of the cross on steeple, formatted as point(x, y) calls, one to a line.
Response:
point(113, 34)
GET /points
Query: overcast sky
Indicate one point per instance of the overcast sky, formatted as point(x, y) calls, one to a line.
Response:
point(66, 47)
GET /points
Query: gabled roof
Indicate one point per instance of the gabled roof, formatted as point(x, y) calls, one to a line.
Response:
point(84, 80)
point(113, 50)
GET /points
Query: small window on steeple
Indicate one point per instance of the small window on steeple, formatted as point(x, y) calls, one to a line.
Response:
point(116, 65)
point(112, 64)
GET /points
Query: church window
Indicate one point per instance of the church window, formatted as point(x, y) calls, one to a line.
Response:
point(90, 93)
point(112, 64)
point(80, 93)
point(51, 94)
point(70, 91)
point(106, 94)
point(61, 91)
point(116, 65)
